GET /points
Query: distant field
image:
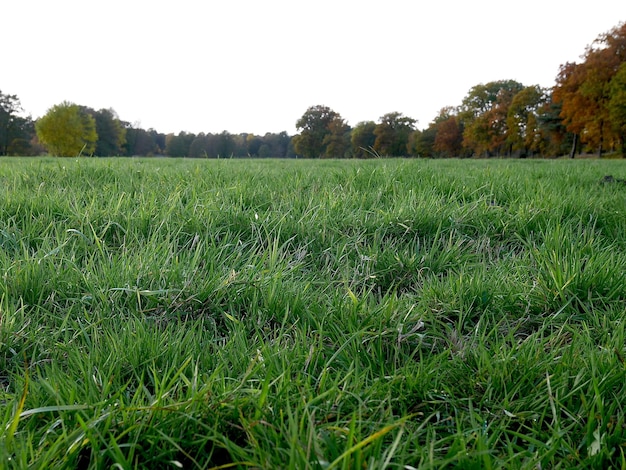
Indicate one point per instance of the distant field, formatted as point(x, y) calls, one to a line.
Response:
point(312, 314)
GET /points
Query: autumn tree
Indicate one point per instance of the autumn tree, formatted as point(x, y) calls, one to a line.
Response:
point(392, 134)
point(448, 131)
point(524, 134)
point(617, 106)
point(319, 127)
point(484, 114)
point(67, 131)
point(584, 90)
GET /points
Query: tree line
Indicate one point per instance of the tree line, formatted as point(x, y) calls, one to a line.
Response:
point(585, 111)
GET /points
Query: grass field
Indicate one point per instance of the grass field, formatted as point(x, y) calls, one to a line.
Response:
point(312, 314)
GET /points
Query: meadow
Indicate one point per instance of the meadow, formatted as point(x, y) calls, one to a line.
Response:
point(402, 314)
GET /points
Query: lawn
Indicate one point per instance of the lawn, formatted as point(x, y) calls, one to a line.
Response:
point(159, 313)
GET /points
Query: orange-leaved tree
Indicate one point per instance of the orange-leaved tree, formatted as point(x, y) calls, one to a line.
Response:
point(584, 90)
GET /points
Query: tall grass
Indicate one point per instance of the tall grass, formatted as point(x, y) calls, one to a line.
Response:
point(312, 314)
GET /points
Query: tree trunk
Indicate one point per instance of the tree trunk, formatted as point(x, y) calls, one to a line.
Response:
point(572, 152)
point(601, 140)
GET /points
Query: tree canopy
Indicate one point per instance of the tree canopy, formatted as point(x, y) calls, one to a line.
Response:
point(587, 95)
point(15, 130)
point(322, 133)
point(67, 130)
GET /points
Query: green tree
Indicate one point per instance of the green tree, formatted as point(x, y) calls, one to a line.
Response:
point(337, 140)
point(67, 131)
point(253, 144)
point(111, 133)
point(315, 125)
point(522, 120)
point(177, 146)
point(392, 134)
point(16, 132)
point(277, 145)
point(220, 145)
point(362, 139)
point(421, 142)
point(198, 147)
point(141, 142)
point(555, 139)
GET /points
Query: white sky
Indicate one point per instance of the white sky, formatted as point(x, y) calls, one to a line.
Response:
point(256, 66)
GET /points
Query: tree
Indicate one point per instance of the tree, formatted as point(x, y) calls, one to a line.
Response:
point(421, 143)
point(277, 145)
point(178, 146)
point(392, 134)
point(522, 121)
point(220, 145)
point(483, 112)
point(617, 106)
point(198, 147)
point(111, 133)
point(253, 144)
point(16, 132)
point(315, 125)
point(555, 139)
point(337, 140)
point(67, 131)
point(449, 138)
point(362, 139)
point(448, 133)
point(583, 90)
point(141, 142)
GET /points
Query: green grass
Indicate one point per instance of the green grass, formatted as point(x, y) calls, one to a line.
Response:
point(312, 314)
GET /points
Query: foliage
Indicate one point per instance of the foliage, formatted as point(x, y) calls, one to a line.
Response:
point(180, 145)
point(362, 139)
point(312, 314)
point(141, 142)
point(448, 130)
point(617, 105)
point(322, 133)
point(67, 131)
point(111, 133)
point(421, 143)
point(583, 112)
point(484, 114)
point(524, 132)
point(337, 140)
point(15, 131)
point(584, 90)
point(392, 134)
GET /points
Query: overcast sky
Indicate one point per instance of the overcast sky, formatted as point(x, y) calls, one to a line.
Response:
point(256, 66)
